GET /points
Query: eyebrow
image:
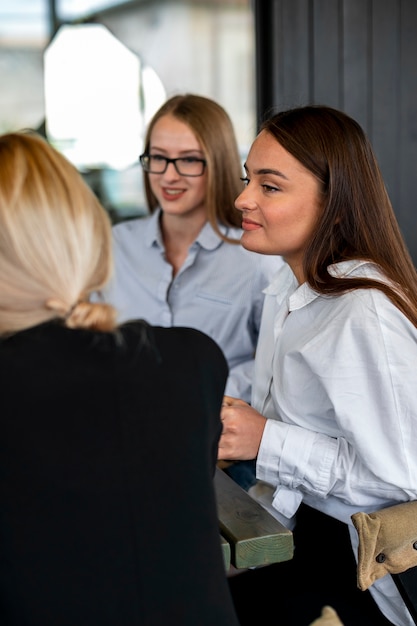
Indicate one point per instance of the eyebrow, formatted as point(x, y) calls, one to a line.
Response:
point(184, 152)
point(267, 170)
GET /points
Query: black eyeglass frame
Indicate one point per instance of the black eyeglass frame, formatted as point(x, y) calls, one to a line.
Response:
point(143, 161)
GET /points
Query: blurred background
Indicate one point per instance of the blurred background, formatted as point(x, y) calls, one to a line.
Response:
point(89, 74)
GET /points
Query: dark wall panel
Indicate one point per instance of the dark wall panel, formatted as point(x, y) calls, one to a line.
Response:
point(384, 91)
point(326, 55)
point(356, 55)
point(355, 43)
point(406, 199)
point(295, 50)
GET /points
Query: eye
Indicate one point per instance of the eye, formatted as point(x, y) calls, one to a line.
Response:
point(270, 188)
point(157, 157)
point(190, 160)
point(245, 181)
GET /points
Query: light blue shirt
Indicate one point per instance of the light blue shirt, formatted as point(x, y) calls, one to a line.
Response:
point(336, 375)
point(218, 290)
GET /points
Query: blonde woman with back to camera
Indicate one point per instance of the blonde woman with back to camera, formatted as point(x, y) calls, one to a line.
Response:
point(87, 410)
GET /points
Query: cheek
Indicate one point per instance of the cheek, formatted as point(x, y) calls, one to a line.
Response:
point(291, 227)
point(153, 185)
point(311, 218)
point(200, 187)
point(278, 220)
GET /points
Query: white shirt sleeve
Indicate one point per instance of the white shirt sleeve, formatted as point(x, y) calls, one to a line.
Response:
point(342, 401)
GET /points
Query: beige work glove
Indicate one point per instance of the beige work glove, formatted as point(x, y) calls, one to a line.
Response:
point(387, 542)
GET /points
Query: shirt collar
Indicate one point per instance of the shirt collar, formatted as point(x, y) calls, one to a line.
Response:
point(207, 237)
point(284, 284)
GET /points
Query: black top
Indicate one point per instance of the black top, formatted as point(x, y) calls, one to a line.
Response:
point(108, 445)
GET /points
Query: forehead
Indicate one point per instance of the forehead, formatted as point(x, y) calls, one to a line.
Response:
point(266, 146)
point(169, 132)
point(267, 153)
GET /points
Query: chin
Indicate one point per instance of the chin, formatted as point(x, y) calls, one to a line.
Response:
point(249, 243)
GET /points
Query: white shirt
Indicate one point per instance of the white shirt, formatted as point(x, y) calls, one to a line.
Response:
point(218, 290)
point(337, 377)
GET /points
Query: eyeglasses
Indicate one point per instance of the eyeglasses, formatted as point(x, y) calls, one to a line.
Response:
point(185, 166)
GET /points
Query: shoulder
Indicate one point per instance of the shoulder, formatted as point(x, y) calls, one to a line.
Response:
point(176, 359)
point(357, 268)
point(176, 342)
point(366, 312)
point(188, 339)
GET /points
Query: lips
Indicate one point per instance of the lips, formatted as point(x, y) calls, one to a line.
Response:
point(250, 225)
point(172, 193)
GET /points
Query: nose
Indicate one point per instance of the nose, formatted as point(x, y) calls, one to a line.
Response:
point(244, 202)
point(171, 171)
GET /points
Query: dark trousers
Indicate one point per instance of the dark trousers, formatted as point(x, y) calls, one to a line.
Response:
point(243, 473)
point(323, 571)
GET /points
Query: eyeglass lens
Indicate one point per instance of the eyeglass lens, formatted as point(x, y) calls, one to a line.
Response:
point(185, 166)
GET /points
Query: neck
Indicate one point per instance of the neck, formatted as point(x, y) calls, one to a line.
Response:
point(178, 234)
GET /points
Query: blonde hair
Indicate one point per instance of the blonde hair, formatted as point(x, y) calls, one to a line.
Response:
point(55, 240)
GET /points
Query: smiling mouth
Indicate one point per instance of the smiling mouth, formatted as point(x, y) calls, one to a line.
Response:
point(173, 192)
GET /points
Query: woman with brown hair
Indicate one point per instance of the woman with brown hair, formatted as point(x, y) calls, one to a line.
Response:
point(333, 421)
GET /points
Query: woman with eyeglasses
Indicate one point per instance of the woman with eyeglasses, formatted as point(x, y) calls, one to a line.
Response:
point(183, 265)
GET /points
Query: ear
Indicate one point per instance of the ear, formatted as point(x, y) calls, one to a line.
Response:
point(387, 542)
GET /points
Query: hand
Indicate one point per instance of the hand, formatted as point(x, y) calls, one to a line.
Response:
point(242, 432)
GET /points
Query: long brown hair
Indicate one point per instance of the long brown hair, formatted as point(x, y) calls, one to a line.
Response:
point(214, 130)
point(357, 220)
